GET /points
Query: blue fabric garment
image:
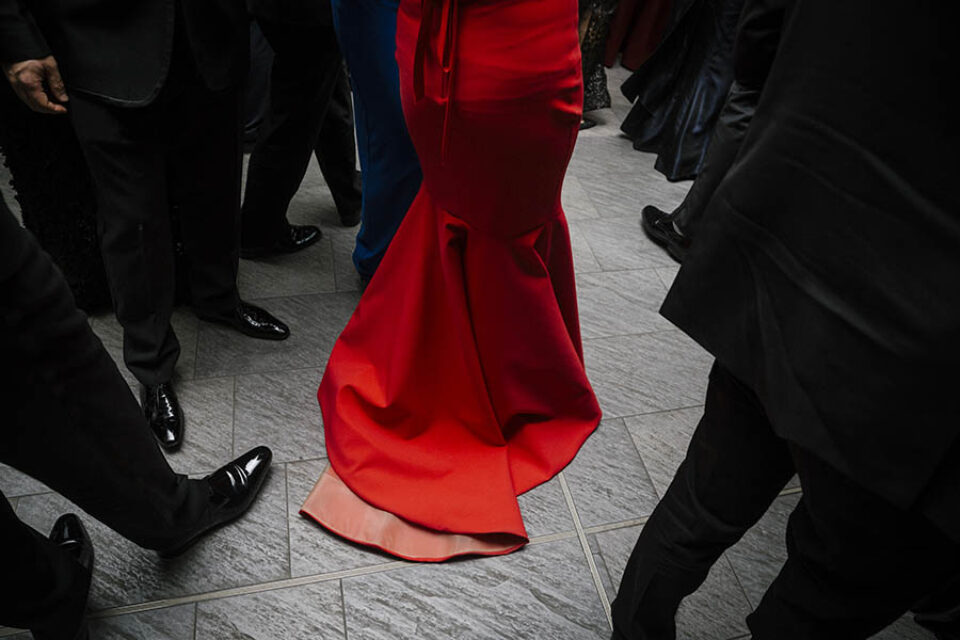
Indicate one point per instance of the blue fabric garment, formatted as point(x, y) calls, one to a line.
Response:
point(391, 172)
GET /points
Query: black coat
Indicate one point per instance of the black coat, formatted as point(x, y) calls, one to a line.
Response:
point(120, 50)
point(826, 274)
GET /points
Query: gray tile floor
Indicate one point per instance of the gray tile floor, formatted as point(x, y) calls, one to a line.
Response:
point(277, 575)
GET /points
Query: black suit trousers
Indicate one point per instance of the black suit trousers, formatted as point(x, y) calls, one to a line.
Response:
point(855, 562)
point(310, 113)
point(70, 421)
point(177, 158)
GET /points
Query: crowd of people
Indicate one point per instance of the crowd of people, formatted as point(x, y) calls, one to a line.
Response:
point(819, 242)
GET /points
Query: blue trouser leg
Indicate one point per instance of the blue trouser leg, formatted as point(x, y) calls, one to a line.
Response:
point(391, 173)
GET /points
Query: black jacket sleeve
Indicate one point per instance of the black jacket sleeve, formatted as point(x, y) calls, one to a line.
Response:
point(20, 38)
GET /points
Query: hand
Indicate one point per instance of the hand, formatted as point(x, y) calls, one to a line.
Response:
point(36, 82)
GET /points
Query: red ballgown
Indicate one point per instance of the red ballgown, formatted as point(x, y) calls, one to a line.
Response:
point(459, 383)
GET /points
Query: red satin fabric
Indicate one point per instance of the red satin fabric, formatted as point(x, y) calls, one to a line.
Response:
point(458, 383)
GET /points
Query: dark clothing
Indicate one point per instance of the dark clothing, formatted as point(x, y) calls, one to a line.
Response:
point(595, 17)
point(40, 151)
point(303, 13)
point(855, 562)
point(758, 35)
point(679, 91)
point(826, 274)
point(120, 52)
point(309, 113)
point(180, 154)
point(70, 421)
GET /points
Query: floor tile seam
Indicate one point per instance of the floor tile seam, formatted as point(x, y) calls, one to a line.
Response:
point(286, 504)
point(585, 547)
point(233, 419)
point(293, 295)
point(196, 619)
point(274, 585)
point(736, 576)
point(232, 592)
point(671, 330)
point(343, 610)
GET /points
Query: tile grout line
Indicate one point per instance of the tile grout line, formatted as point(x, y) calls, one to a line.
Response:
point(343, 610)
point(585, 545)
point(196, 615)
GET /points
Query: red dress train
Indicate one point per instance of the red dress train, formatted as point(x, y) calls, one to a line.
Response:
point(459, 383)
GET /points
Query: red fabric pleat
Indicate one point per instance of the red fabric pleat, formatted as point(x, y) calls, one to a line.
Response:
point(459, 383)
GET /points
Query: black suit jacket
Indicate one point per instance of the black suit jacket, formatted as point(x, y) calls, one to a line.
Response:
point(826, 274)
point(120, 50)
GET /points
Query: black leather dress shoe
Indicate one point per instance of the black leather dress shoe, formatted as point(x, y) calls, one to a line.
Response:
point(233, 488)
point(69, 623)
point(295, 237)
point(658, 225)
point(163, 413)
point(253, 321)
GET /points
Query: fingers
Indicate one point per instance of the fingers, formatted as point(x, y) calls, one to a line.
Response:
point(54, 81)
point(30, 81)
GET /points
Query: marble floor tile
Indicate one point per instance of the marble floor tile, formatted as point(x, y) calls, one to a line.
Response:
point(576, 203)
point(208, 425)
point(315, 322)
point(313, 549)
point(607, 478)
point(280, 410)
point(313, 611)
point(545, 510)
point(717, 611)
point(170, 623)
point(251, 550)
point(620, 303)
point(186, 326)
point(619, 244)
point(300, 273)
point(542, 591)
point(668, 275)
point(603, 151)
point(625, 192)
point(583, 259)
point(662, 440)
point(15, 483)
point(632, 375)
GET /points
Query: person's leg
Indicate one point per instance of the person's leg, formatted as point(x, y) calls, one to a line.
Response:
point(203, 165)
point(44, 587)
point(125, 159)
point(735, 467)
point(337, 155)
point(306, 65)
point(728, 135)
point(855, 562)
point(391, 172)
point(72, 422)
point(256, 89)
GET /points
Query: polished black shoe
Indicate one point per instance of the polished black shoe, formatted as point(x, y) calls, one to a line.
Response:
point(70, 623)
point(163, 413)
point(233, 488)
point(658, 225)
point(295, 237)
point(252, 321)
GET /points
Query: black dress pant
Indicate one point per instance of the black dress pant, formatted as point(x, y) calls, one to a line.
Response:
point(69, 420)
point(855, 562)
point(179, 155)
point(310, 113)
